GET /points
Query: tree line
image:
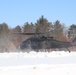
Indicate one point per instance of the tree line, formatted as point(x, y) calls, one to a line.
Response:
point(42, 25)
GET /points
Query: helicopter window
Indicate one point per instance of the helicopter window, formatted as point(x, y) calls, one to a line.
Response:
point(26, 43)
point(34, 43)
point(29, 42)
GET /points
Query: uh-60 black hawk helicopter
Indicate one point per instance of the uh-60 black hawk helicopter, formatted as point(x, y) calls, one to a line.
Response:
point(39, 43)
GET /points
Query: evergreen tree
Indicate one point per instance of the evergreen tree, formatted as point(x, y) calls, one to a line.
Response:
point(72, 31)
point(4, 28)
point(16, 29)
point(28, 28)
point(4, 36)
point(58, 29)
point(43, 25)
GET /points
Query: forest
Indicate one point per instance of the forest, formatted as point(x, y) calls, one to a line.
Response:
point(10, 41)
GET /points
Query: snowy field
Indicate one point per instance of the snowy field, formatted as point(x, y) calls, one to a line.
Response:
point(41, 63)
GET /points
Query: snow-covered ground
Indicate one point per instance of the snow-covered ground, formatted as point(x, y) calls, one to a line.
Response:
point(41, 63)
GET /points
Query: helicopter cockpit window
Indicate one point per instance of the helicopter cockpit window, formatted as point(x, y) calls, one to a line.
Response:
point(28, 42)
point(34, 43)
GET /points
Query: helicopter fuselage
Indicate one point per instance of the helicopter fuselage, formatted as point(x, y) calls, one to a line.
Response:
point(37, 43)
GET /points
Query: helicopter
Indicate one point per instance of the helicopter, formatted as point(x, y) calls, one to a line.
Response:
point(39, 43)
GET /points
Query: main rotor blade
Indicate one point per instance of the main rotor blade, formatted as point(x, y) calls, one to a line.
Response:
point(29, 33)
